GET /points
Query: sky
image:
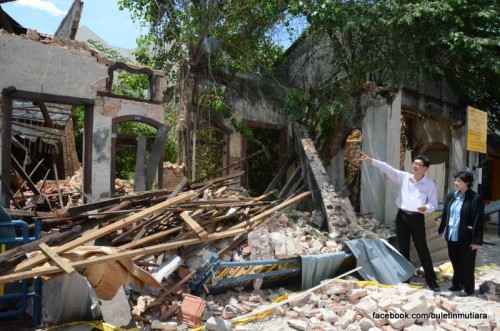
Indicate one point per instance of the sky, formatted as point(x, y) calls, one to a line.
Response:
point(101, 16)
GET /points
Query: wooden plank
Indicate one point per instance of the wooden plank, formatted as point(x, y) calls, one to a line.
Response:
point(64, 265)
point(194, 225)
point(151, 238)
point(28, 264)
point(24, 175)
point(44, 271)
point(268, 212)
point(179, 187)
point(291, 184)
point(281, 172)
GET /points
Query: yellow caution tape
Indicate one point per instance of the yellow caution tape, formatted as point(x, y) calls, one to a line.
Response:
point(259, 315)
point(488, 267)
point(96, 324)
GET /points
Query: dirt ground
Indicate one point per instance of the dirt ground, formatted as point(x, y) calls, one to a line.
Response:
point(488, 256)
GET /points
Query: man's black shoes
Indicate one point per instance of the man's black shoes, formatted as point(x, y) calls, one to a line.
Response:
point(455, 288)
point(463, 293)
point(434, 286)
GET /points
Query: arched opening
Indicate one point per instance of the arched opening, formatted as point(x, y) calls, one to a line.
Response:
point(132, 147)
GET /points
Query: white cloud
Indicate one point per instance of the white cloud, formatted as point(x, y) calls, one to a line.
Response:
point(43, 5)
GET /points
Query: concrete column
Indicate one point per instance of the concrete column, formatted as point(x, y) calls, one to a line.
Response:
point(381, 140)
point(101, 152)
point(336, 171)
point(458, 154)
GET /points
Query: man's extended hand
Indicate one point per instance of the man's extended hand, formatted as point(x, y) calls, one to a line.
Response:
point(365, 158)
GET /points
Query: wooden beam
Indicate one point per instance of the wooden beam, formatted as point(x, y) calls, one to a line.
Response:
point(151, 238)
point(281, 172)
point(200, 232)
point(44, 271)
point(64, 265)
point(29, 264)
point(268, 212)
point(45, 113)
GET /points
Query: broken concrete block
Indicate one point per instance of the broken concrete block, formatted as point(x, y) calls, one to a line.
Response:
point(218, 324)
point(298, 325)
point(330, 316)
point(292, 314)
point(400, 319)
point(447, 326)
point(366, 307)
point(170, 326)
point(279, 310)
point(445, 304)
point(415, 307)
point(366, 324)
point(346, 319)
point(355, 295)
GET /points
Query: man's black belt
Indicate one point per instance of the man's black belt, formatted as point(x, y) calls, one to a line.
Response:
point(412, 213)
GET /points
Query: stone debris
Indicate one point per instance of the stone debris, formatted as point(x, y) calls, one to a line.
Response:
point(344, 305)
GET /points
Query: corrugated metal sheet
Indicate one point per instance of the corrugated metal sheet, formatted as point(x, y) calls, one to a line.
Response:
point(316, 268)
point(28, 121)
point(380, 261)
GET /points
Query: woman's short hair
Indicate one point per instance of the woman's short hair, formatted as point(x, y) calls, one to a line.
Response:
point(465, 176)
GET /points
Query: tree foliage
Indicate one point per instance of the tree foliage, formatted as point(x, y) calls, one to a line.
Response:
point(393, 43)
point(205, 43)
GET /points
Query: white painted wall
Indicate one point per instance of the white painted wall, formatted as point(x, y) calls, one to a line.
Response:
point(381, 136)
point(36, 67)
point(105, 110)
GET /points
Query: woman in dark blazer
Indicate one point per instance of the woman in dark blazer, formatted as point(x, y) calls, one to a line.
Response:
point(462, 227)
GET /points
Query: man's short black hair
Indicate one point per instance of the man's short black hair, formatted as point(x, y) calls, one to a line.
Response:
point(465, 176)
point(424, 159)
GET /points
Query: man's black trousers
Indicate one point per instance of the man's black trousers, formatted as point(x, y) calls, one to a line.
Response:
point(413, 224)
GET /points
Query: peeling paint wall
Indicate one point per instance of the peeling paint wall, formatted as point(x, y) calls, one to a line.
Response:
point(105, 110)
point(381, 140)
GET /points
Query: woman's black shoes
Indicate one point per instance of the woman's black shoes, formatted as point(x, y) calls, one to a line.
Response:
point(433, 285)
point(463, 293)
point(455, 288)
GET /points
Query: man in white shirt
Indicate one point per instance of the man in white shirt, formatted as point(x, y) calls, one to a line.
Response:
point(416, 197)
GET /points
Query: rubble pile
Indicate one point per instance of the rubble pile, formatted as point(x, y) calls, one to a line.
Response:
point(344, 305)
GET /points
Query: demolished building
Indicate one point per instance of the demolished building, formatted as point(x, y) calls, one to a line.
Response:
point(157, 222)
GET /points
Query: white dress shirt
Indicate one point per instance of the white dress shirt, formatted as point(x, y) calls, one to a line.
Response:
point(412, 193)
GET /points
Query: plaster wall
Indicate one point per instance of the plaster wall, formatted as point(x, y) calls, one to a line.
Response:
point(431, 130)
point(258, 99)
point(381, 140)
point(463, 159)
point(35, 67)
point(308, 63)
point(336, 171)
point(458, 153)
point(105, 110)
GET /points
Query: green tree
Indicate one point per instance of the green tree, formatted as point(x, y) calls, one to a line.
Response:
point(380, 46)
point(133, 86)
point(204, 43)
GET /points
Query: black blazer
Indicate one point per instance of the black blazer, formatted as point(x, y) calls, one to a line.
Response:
point(470, 230)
